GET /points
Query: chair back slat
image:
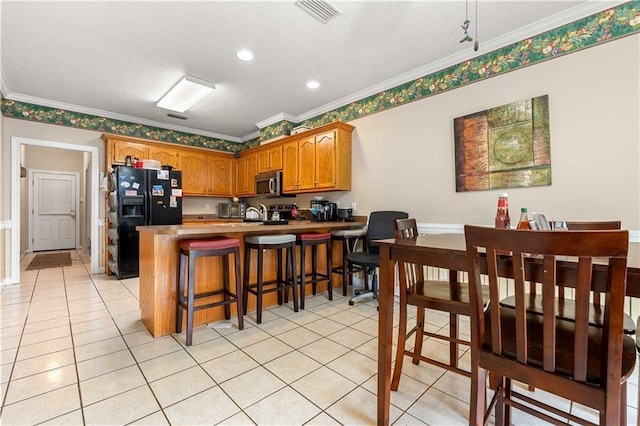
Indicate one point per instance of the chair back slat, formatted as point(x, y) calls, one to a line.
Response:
point(520, 311)
point(582, 305)
point(494, 300)
point(406, 228)
point(409, 273)
point(548, 306)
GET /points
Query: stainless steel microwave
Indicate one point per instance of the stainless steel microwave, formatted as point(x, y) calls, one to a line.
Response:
point(269, 184)
point(232, 210)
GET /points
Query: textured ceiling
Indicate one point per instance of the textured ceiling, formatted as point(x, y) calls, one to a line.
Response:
point(117, 59)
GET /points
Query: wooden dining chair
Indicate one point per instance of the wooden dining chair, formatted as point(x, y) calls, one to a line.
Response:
point(447, 296)
point(574, 359)
point(566, 306)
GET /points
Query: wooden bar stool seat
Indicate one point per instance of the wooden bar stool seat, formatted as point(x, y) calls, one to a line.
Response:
point(281, 284)
point(349, 239)
point(313, 240)
point(190, 250)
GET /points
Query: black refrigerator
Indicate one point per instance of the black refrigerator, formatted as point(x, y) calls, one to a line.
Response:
point(139, 197)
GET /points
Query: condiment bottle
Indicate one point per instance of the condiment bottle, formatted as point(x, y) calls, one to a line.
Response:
point(502, 214)
point(524, 219)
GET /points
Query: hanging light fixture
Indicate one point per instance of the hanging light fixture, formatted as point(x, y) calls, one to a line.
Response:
point(476, 44)
point(465, 25)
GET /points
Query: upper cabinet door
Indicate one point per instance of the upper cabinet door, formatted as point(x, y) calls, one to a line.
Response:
point(275, 158)
point(263, 163)
point(166, 156)
point(194, 173)
point(290, 166)
point(252, 170)
point(306, 164)
point(220, 175)
point(121, 149)
point(325, 160)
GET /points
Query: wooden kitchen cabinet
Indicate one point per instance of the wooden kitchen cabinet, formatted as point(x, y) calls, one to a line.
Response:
point(165, 155)
point(290, 166)
point(194, 172)
point(323, 160)
point(269, 158)
point(220, 169)
point(246, 169)
point(121, 148)
point(206, 174)
point(307, 164)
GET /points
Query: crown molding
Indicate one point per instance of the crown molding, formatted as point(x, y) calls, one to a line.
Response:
point(554, 21)
point(578, 12)
point(283, 116)
point(115, 116)
point(250, 136)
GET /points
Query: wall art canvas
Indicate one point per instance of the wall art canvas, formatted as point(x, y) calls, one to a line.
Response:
point(504, 147)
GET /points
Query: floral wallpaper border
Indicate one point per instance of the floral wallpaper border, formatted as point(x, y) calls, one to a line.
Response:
point(615, 23)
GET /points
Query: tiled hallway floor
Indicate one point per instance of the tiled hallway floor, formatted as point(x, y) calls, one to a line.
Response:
point(74, 351)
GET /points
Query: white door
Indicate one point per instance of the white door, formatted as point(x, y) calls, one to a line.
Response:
point(54, 211)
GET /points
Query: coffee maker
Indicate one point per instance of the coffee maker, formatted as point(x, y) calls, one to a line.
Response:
point(324, 211)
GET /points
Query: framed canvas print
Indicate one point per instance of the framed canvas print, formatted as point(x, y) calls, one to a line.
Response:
point(504, 147)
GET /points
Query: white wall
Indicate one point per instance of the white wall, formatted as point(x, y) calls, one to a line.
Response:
point(404, 158)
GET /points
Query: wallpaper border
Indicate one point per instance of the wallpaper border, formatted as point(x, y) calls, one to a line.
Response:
point(602, 27)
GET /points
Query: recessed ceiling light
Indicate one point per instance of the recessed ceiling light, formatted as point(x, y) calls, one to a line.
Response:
point(185, 94)
point(313, 84)
point(244, 55)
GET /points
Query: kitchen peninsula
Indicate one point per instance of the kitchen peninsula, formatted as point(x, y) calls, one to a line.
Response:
point(159, 263)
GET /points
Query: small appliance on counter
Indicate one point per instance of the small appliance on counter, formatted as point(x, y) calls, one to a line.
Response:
point(284, 211)
point(345, 215)
point(232, 210)
point(324, 211)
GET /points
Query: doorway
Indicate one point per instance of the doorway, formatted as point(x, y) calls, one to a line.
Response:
point(93, 206)
point(54, 209)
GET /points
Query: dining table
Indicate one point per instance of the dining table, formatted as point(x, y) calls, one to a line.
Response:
point(446, 251)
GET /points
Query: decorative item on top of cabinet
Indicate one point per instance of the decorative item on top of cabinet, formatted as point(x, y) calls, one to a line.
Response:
point(319, 161)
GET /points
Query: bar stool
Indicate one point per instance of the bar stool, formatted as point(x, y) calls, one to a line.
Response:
point(349, 239)
point(280, 284)
point(191, 250)
point(313, 240)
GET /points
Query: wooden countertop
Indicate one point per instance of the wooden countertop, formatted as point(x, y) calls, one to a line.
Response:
point(243, 227)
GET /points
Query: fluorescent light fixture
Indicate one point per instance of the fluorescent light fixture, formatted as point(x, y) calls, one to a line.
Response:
point(185, 94)
point(244, 55)
point(313, 84)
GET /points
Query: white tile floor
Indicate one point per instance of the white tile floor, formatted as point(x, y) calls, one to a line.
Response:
point(75, 352)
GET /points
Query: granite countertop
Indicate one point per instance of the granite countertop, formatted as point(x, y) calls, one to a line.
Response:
point(228, 227)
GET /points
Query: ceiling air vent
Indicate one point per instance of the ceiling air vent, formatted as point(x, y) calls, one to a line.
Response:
point(178, 116)
point(319, 9)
